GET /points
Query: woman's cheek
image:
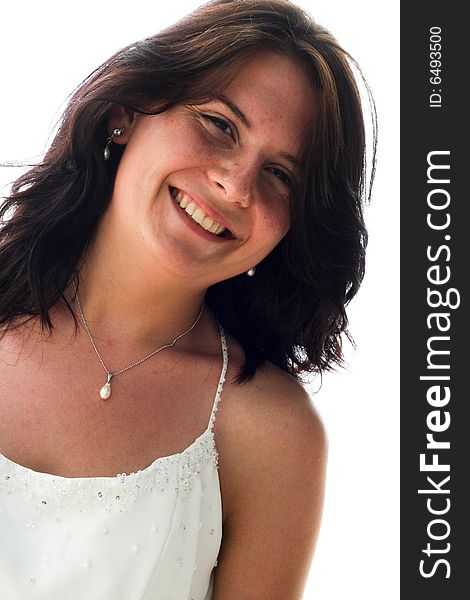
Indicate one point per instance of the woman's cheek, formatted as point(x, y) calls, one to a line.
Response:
point(278, 217)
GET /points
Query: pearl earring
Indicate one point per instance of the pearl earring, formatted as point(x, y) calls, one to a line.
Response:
point(251, 272)
point(116, 133)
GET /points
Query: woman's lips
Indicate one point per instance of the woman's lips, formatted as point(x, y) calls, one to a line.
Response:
point(223, 236)
point(200, 215)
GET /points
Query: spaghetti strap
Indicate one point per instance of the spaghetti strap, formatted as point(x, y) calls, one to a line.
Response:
point(223, 373)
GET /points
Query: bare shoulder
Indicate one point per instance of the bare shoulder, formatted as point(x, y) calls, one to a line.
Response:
point(276, 427)
point(276, 486)
point(282, 405)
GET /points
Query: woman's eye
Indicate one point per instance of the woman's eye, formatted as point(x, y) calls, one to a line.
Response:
point(282, 176)
point(220, 124)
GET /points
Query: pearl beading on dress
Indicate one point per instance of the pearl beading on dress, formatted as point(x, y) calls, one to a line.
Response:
point(112, 494)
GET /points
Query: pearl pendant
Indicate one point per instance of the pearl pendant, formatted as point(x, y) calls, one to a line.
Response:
point(105, 391)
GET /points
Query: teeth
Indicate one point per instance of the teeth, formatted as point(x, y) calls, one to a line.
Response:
point(190, 208)
point(207, 223)
point(197, 213)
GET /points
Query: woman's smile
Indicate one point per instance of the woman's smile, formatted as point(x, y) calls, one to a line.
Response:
point(197, 219)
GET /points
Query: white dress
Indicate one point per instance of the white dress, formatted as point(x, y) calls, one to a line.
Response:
point(151, 535)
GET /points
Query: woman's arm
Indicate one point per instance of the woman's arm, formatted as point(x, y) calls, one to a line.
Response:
point(277, 475)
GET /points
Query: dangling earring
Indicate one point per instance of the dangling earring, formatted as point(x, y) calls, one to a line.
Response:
point(251, 272)
point(107, 151)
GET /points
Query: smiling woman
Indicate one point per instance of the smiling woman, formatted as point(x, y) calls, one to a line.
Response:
point(194, 228)
point(223, 162)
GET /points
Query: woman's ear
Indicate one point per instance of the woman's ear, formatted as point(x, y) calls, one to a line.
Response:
point(120, 117)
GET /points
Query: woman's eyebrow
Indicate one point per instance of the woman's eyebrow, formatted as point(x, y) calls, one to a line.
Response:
point(292, 159)
point(235, 110)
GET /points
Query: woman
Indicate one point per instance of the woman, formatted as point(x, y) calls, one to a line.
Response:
point(191, 238)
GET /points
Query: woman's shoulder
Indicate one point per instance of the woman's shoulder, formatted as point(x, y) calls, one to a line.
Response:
point(276, 410)
point(272, 437)
point(271, 407)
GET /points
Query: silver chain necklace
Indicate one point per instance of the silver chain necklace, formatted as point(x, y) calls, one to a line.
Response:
point(105, 391)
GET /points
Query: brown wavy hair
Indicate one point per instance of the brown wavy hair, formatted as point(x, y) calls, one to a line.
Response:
point(293, 311)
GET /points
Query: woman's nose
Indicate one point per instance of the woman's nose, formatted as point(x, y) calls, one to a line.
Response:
point(237, 181)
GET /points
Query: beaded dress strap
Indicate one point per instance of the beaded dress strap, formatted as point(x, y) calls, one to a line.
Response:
point(223, 374)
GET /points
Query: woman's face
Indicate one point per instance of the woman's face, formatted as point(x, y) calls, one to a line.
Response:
point(229, 162)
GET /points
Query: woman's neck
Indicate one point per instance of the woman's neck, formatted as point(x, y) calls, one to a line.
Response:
point(123, 304)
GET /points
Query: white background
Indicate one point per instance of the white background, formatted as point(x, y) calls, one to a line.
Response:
point(47, 48)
